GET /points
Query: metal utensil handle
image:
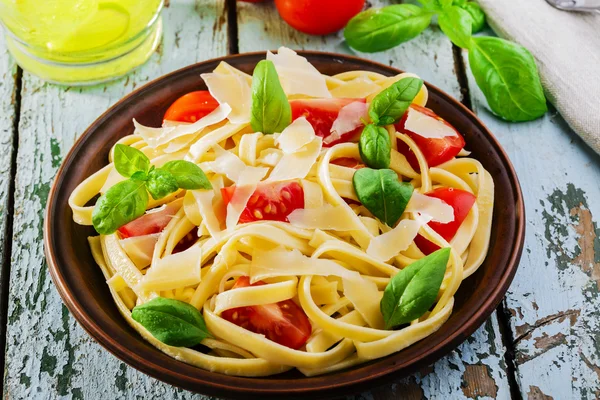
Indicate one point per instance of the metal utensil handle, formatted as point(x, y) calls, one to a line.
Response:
point(576, 5)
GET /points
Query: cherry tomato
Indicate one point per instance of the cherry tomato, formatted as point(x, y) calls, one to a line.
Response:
point(348, 162)
point(321, 113)
point(270, 201)
point(149, 223)
point(436, 151)
point(284, 322)
point(461, 202)
point(191, 107)
point(318, 17)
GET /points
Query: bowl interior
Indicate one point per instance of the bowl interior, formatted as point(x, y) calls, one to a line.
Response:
point(83, 288)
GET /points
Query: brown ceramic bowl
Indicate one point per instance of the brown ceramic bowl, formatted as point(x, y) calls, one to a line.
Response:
point(84, 291)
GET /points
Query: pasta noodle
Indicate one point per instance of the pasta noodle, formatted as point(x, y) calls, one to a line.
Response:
point(333, 258)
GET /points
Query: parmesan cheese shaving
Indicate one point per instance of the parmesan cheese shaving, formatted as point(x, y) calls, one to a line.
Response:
point(366, 298)
point(426, 126)
point(155, 137)
point(140, 249)
point(280, 262)
point(174, 271)
point(298, 164)
point(204, 199)
point(313, 194)
point(245, 186)
point(389, 244)
point(349, 118)
point(231, 89)
point(326, 217)
point(433, 207)
point(226, 163)
point(298, 134)
point(297, 75)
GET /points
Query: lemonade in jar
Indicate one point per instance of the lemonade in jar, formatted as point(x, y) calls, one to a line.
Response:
point(81, 41)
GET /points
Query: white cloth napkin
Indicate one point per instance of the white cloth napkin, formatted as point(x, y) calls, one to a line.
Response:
point(566, 46)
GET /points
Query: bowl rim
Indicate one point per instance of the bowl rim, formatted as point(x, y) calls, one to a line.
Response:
point(446, 345)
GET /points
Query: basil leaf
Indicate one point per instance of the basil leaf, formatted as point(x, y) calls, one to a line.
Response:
point(121, 204)
point(161, 183)
point(271, 111)
point(459, 3)
point(444, 3)
point(391, 104)
point(379, 29)
point(375, 147)
point(508, 77)
point(173, 322)
point(477, 16)
point(413, 290)
point(139, 176)
point(129, 160)
point(188, 175)
point(456, 24)
point(382, 193)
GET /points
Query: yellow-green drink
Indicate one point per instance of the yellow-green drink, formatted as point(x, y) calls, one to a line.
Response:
point(81, 41)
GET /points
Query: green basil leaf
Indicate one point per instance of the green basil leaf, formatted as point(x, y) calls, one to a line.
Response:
point(382, 193)
point(477, 16)
point(375, 147)
point(188, 175)
point(413, 290)
point(271, 111)
point(161, 183)
point(173, 322)
point(456, 24)
point(459, 3)
point(129, 160)
point(508, 77)
point(444, 3)
point(139, 176)
point(391, 104)
point(378, 29)
point(121, 204)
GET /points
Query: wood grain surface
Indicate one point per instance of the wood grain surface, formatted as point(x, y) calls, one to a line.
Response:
point(552, 316)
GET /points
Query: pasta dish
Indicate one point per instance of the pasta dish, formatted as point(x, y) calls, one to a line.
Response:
point(289, 219)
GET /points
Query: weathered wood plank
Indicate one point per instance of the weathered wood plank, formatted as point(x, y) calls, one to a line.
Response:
point(554, 299)
point(48, 354)
point(8, 98)
point(476, 368)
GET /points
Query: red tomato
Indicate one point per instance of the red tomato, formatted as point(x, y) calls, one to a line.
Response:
point(348, 162)
point(461, 202)
point(270, 201)
point(191, 107)
point(318, 17)
point(436, 151)
point(284, 322)
point(149, 223)
point(321, 113)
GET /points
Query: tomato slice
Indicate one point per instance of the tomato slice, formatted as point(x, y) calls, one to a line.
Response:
point(348, 162)
point(191, 107)
point(462, 202)
point(270, 201)
point(149, 223)
point(436, 151)
point(284, 322)
point(321, 113)
point(318, 17)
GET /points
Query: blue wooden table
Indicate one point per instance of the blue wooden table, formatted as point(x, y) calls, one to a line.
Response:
point(542, 343)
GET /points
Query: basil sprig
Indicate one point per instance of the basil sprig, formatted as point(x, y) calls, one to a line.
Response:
point(173, 322)
point(508, 77)
point(375, 147)
point(505, 72)
point(391, 104)
point(382, 193)
point(413, 290)
point(271, 111)
point(128, 200)
point(378, 29)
